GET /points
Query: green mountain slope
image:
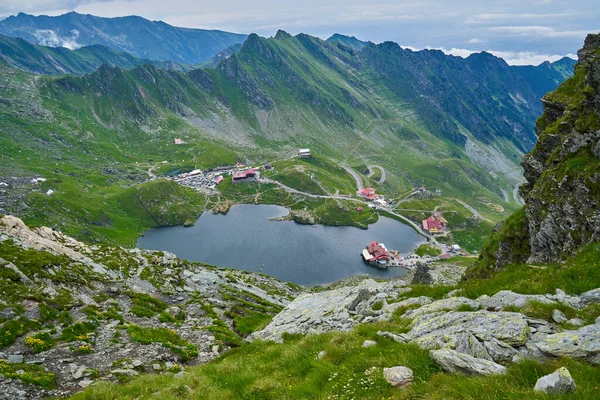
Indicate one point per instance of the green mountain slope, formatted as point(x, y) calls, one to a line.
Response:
point(154, 40)
point(458, 126)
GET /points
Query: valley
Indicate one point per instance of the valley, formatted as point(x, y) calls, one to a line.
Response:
point(190, 213)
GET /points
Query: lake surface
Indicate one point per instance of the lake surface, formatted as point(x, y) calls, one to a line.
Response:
point(246, 239)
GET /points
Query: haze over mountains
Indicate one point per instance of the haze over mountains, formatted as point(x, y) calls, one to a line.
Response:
point(154, 40)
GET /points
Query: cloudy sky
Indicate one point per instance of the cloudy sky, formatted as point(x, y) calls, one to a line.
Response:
point(522, 32)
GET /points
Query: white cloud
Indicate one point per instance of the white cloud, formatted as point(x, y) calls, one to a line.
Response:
point(535, 30)
point(50, 38)
point(475, 41)
point(511, 57)
point(481, 18)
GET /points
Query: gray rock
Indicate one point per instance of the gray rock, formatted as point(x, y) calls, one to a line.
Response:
point(510, 328)
point(455, 362)
point(558, 382)
point(137, 363)
point(400, 338)
point(321, 354)
point(559, 316)
point(583, 343)
point(320, 312)
point(156, 367)
point(126, 372)
point(506, 298)
point(85, 383)
point(14, 359)
point(500, 351)
point(590, 297)
point(369, 343)
point(576, 322)
point(79, 372)
point(398, 376)
point(442, 305)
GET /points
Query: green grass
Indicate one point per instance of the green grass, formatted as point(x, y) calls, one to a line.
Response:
point(267, 370)
point(29, 373)
point(429, 250)
point(144, 305)
point(167, 337)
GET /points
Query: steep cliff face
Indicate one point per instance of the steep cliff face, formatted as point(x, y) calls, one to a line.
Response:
point(563, 180)
point(562, 192)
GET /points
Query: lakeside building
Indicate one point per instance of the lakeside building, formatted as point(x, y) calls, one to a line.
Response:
point(433, 225)
point(367, 193)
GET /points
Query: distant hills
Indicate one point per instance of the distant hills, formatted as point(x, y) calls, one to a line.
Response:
point(137, 36)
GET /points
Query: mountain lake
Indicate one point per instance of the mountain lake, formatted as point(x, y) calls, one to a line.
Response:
point(248, 239)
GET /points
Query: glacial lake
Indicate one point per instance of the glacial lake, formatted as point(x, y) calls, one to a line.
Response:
point(246, 239)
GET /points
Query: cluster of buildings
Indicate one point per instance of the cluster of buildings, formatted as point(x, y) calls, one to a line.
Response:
point(435, 224)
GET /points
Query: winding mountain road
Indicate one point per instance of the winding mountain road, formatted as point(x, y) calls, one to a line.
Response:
point(356, 176)
point(380, 168)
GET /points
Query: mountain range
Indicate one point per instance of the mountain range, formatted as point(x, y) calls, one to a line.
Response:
point(137, 36)
point(457, 125)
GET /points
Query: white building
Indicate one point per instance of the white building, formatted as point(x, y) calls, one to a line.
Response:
point(304, 153)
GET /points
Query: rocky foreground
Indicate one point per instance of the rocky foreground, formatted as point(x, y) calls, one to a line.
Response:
point(72, 315)
point(479, 328)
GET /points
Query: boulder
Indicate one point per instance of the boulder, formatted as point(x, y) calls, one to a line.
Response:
point(312, 313)
point(399, 376)
point(442, 305)
point(583, 343)
point(590, 297)
point(454, 362)
point(369, 343)
point(559, 316)
point(506, 298)
point(508, 327)
point(558, 382)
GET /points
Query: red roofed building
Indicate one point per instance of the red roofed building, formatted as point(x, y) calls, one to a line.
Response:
point(242, 175)
point(367, 193)
point(432, 225)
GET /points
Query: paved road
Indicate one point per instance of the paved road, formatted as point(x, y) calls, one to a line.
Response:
point(473, 210)
point(380, 168)
point(356, 176)
point(516, 195)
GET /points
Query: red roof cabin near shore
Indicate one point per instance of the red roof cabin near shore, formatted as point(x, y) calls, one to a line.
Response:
point(378, 251)
point(367, 193)
point(432, 225)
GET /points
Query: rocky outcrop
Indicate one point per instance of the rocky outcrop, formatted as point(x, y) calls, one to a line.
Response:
point(561, 193)
point(71, 314)
point(583, 343)
point(436, 274)
point(333, 310)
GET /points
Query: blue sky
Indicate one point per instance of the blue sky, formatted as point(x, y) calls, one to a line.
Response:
point(519, 31)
